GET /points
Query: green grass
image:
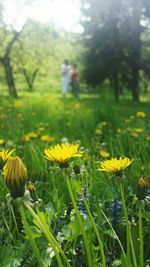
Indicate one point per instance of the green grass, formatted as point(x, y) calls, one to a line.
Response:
point(98, 123)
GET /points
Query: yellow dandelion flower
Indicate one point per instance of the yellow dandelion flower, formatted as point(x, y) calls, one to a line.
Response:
point(31, 188)
point(140, 114)
point(29, 136)
point(2, 141)
point(18, 104)
point(115, 165)
point(129, 129)
point(33, 135)
point(104, 154)
point(5, 154)
point(98, 131)
point(26, 138)
point(62, 153)
point(147, 137)
point(77, 106)
point(15, 174)
point(40, 129)
point(47, 138)
point(139, 130)
point(134, 134)
point(143, 182)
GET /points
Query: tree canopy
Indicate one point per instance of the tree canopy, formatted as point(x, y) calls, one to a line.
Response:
point(112, 36)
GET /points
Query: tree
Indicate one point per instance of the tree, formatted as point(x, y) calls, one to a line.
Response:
point(112, 37)
point(28, 53)
point(8, 37)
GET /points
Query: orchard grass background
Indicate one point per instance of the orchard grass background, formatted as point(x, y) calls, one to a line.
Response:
point(37, 120)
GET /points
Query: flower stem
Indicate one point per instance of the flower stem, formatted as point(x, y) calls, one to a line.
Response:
point(46, 231)
point(116, 236)
point(29, 234)
point(96, 231)
point(86, 243)
point(128, 229)
point(141, 237)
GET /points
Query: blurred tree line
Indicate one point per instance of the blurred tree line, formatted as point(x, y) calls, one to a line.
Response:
point(115, 47)
point(33, 53)
point(117, 41)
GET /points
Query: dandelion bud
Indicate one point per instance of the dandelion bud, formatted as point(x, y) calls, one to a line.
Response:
point(31, 187)
point(15, 174)
point(142, 188)
point(32, 190)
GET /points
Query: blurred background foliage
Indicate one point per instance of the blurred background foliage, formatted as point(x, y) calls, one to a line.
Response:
point(113, 48)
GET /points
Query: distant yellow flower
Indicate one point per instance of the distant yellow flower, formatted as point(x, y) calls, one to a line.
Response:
point(29, 136)
point(115, 165)
point(147, 137)
point(134, 134)
point(62, 153)
point(98, 131)
point(2, 141)
point(139, 130)
point(143, 182)
point(40, 129)
point(33, 135)
point(47, 138)
point(15, 174)
point(129, 129)
point(140, 114)
point(104, 154)
point(18, 104)
point(77, 106)
point(26, 138)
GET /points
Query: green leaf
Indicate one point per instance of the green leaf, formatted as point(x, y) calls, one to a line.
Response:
point(75, 227)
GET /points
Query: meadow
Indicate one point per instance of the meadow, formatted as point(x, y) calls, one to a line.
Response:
point(81, 213)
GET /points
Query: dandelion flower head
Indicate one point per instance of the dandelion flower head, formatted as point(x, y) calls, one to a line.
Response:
point(62, 153)
point(115, 165)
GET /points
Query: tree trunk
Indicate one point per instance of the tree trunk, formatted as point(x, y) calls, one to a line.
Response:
point(9, 76)
point(135, 83)
point(30, 78)
point(145, 86)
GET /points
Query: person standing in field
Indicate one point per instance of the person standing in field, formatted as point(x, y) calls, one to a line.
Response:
point(65, 77)
point(75, 81)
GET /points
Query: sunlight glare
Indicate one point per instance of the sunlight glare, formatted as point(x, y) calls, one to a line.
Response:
point(63, 13)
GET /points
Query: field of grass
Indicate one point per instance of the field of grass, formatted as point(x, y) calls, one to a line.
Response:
point(77, 216)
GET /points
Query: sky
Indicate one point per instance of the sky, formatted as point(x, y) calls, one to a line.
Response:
point(63, 13)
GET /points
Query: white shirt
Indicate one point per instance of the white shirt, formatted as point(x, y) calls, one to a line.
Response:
point(65, 72)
